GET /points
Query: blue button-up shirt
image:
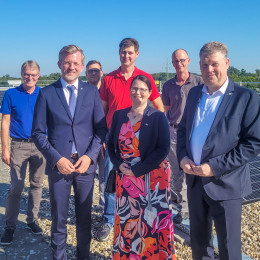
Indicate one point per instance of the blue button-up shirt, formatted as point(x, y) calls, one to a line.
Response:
point(205, 115)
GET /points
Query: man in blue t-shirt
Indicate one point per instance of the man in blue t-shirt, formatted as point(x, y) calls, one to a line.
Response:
point(17, 115)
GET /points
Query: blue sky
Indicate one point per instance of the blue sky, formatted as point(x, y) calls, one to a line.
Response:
point(39, 29)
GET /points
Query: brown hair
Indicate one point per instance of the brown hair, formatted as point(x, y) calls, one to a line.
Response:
point(144, 79)
point(128, 42)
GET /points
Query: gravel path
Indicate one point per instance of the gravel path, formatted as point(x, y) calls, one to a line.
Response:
point(102, 250)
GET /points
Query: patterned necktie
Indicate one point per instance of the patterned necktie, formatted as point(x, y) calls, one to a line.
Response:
point(73, 99)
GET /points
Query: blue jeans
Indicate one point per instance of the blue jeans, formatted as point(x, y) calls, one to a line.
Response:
point(109, 210)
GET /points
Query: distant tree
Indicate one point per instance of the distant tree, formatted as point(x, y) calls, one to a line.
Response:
point(233, 70)
point(243, 72)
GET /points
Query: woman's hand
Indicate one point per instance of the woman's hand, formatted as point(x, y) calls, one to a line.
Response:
point(124, 168)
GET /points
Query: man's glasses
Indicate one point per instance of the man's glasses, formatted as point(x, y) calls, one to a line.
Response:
point(27, 76)
point(181, 61)
point(94, 71)
point(142, 90)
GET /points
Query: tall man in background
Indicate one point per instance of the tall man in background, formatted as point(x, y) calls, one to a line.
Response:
point(17, 116)
point(218, 135)
point(94, 75)
point(174, 95)
point(73, 115)
point(115, 94)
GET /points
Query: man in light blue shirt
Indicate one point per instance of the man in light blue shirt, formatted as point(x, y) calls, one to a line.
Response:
point(218, 135)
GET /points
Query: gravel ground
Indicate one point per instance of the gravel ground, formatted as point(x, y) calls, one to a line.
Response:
point(102, 250)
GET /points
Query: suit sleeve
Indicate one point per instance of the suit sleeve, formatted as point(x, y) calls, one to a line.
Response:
point(39, 128)
point(111, 145)
point(100, 128)
point(153, 159)
point(248, 145)
point(181, 135)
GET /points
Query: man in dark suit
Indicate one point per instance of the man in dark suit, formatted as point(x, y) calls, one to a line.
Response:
point(72, 114)
point(218, 135)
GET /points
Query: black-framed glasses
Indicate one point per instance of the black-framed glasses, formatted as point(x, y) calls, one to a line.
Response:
point(181, 61)
point(142, 90)
point(93, 71)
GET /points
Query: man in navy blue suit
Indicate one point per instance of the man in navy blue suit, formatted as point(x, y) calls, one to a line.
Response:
point(71, 112)
point(218, 135)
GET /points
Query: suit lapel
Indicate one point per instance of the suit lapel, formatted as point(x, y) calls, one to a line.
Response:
point(193, 110)
point(81, 94)
point(222, 108)
point(62, 98)
point(220, 114)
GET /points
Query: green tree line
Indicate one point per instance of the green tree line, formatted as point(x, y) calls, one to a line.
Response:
point(234, 74)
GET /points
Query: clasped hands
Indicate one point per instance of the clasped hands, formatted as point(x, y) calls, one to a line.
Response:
point(189, 167)
point(124, 168)
point(66, 167)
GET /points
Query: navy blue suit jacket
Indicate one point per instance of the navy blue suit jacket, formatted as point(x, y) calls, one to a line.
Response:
point(233, 141)
point(154, 140)
point(88, 127)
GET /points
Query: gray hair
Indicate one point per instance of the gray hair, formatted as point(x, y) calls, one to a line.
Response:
point(213, 47)
point(70, 49)
point(30, 63)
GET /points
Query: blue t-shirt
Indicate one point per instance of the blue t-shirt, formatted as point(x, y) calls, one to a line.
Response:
point(20, 105)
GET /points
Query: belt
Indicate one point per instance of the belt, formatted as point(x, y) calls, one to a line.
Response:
point(74, 156)
point(30, 140)
point(174, 125)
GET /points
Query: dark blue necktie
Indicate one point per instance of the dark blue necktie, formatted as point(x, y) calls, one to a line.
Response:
point(72, 106)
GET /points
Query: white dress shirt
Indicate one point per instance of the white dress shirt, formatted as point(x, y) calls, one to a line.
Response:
point(206, 111)
point(66, 92)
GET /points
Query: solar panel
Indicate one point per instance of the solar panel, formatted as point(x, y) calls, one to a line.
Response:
point(255, 179)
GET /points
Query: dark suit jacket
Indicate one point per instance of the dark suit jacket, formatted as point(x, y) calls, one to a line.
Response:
point(88, 127)
point(154, 140)
point(233, 140)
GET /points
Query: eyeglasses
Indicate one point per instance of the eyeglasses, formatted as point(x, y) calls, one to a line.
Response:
point(27, 76)
point(142, 90)
point(75, 64)
point(181, 61)
point(93, 71)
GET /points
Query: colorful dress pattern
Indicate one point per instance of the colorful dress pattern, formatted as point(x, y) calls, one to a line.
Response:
point(143, 227)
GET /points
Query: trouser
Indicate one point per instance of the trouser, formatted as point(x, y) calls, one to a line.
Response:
point(227, 220)
point(101, 178)
point(22, 154)
point(60, 190)
point(109, 210)
point(178, 178)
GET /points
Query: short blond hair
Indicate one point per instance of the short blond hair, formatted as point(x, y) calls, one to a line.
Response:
point(70, 49)
point(30, 63)
point(213, 47)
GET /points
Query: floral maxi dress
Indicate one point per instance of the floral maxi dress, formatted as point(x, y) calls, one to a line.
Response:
point(143, 227)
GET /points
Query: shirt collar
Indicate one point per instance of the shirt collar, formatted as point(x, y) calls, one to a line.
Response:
point(22, 90)
point(118, 72)
point(65, 84)
point(222, 90)
point(186, 82)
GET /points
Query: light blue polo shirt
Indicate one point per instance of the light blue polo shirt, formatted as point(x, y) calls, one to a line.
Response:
point(20, 105)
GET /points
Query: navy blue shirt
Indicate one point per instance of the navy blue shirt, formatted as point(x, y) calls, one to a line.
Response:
point(20, 105)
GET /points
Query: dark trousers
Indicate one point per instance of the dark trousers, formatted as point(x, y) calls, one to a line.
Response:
point(60, 189)
point(227, 219)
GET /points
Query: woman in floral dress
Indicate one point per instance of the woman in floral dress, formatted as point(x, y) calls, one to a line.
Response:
point(138, 145)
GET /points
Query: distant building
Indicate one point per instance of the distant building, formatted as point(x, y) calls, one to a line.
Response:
point(14, 83)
